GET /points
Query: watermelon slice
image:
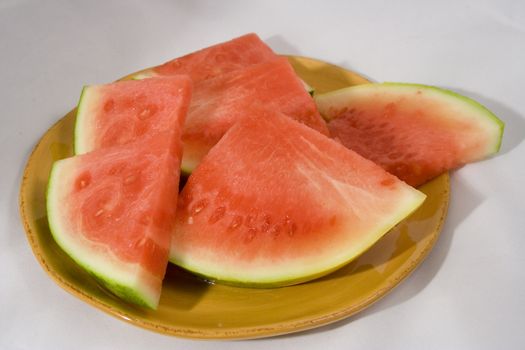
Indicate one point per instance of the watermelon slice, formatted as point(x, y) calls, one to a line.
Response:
point(219, 102)
point(415, 132)
point(122, 112)
point(215, 60)
point(111, 210)
point(276, 203)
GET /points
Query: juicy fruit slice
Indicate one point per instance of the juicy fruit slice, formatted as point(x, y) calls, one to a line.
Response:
point(122, 112)
point(276, 203)
point(111, 210)
point(218, 103)
point(215, 60)
point(415, 132)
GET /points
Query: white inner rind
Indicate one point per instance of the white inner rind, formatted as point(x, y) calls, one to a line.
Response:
point(88, 107)
point(266, 272)
point(459, 107)
point(144, 75)
point(96, 258)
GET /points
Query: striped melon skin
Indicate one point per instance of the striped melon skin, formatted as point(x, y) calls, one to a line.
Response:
point(112, 211)
point(414, 131)
point(277, 203)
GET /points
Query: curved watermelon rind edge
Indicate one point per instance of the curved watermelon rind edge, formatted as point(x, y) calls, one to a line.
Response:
point(469, 101)
point(416, 202)
point(78, 116)
point(488, 113)
point(113, 285)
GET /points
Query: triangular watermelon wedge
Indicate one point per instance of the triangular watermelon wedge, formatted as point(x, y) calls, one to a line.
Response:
point(220, 102)
point(112, 211)
point(277, 203)
point(215, 60)
point(112, 207)
point(414, 131)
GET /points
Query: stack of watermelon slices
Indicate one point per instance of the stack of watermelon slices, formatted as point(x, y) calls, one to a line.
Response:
point(111, 207)
point(272, 200)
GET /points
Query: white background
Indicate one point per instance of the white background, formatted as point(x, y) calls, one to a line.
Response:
point(469, 293)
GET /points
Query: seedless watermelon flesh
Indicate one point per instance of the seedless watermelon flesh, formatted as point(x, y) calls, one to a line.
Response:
point(122, 112)
point(112, 211)
point(415, 132)
point(277, 203)
point(215, 60)
point(220, 102)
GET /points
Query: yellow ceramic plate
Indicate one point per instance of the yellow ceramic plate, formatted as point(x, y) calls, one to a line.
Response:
point(192, 308)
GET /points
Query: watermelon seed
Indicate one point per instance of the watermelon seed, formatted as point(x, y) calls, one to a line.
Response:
point(291, 229)
point(190, 220)
point(236, 222)
point(109, 105)
point(199, 206)
point(388, 182)
point(99, 212)
point(250, 221)
point(147, 112)
point(217, 215)
point(266, 223)
point(290, 226)
point(130, 179)
point(276, 230)
point(83, 181)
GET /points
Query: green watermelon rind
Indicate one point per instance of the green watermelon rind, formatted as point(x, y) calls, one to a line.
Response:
point(414, 200)
point(114, 283)
point(338, 96)
point(307, 87)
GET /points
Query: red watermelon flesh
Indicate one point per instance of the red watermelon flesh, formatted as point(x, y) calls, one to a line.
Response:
point(219, 102)
point(277, 203)
point(112, 211)
point(415, 132)
point(122, 112)
point(218, 59)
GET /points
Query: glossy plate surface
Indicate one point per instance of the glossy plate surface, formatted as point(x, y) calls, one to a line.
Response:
point(192, 308)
